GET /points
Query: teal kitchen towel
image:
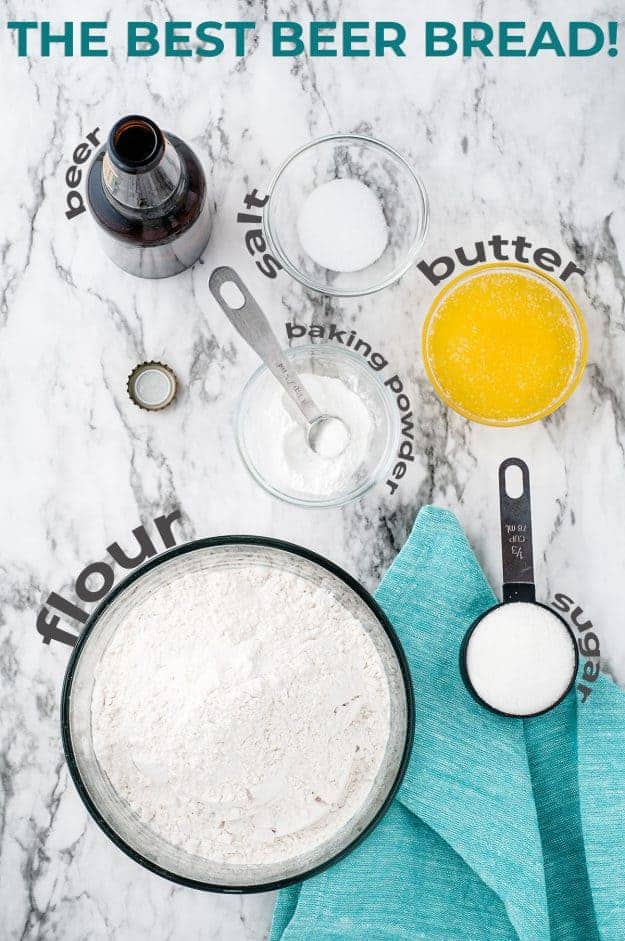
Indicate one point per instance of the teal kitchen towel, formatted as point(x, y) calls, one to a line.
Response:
point(503, 829)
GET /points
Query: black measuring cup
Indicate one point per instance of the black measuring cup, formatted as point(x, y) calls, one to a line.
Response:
point(497, 663)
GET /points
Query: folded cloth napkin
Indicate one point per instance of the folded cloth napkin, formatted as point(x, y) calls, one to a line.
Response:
point(503, 829)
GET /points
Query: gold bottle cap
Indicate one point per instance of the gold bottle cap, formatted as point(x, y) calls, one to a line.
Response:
point(152, 386)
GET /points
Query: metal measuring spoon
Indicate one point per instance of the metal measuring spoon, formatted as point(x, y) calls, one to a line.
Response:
point(518, 592)
point(326, 435)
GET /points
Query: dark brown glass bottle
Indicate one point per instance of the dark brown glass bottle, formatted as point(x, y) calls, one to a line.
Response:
point(147, 192)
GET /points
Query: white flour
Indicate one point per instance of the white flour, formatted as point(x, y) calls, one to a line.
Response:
point(243, 714)
point(280, 437)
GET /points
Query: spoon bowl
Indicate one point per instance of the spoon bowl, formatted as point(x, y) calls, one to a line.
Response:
point(328, 436)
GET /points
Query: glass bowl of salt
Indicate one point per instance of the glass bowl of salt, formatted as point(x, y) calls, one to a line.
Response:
point(347, 215)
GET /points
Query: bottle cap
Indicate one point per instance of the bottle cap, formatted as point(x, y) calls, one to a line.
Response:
point(152, 386)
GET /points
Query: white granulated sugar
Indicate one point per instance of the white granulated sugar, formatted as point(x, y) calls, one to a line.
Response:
point(280, 437)
point(242, 714)
point(520, 658)
point(342, 226)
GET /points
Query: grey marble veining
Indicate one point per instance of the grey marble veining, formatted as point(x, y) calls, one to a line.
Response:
point(511, 146)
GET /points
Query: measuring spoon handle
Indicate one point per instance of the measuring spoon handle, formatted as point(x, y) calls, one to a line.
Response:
point(252, 324)
point(516, 536)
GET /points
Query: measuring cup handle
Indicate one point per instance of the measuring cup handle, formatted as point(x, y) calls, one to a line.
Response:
point(244, 314)
point(250, 321)
point(516, 536)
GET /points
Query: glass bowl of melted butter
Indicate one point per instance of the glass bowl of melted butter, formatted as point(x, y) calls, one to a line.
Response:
point(504, 344)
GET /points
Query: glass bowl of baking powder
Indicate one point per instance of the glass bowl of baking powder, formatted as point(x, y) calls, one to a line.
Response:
point(237, 714)
point(272, 437)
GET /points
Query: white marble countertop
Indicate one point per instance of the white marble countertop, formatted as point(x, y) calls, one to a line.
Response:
point(504, 146)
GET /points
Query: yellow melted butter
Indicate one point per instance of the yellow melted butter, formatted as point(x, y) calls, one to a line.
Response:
point(503, 347)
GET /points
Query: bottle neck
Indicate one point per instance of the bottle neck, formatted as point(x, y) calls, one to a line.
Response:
point(141, 169)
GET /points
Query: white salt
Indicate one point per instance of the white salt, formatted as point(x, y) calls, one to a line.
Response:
point(342, 226)
point(520, 658)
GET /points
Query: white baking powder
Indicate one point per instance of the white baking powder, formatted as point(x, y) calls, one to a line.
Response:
point(243, 714)
point(279, 437)
point(520, 658)
point(331, 437)
point(342, 226)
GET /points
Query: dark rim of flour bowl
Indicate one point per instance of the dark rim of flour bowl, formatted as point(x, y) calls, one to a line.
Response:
point(466, 679)
point(213, 542)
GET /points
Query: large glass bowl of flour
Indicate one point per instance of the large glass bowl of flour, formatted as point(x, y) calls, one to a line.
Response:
point(237, 714)
point(272, 440)
point(347, 215)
